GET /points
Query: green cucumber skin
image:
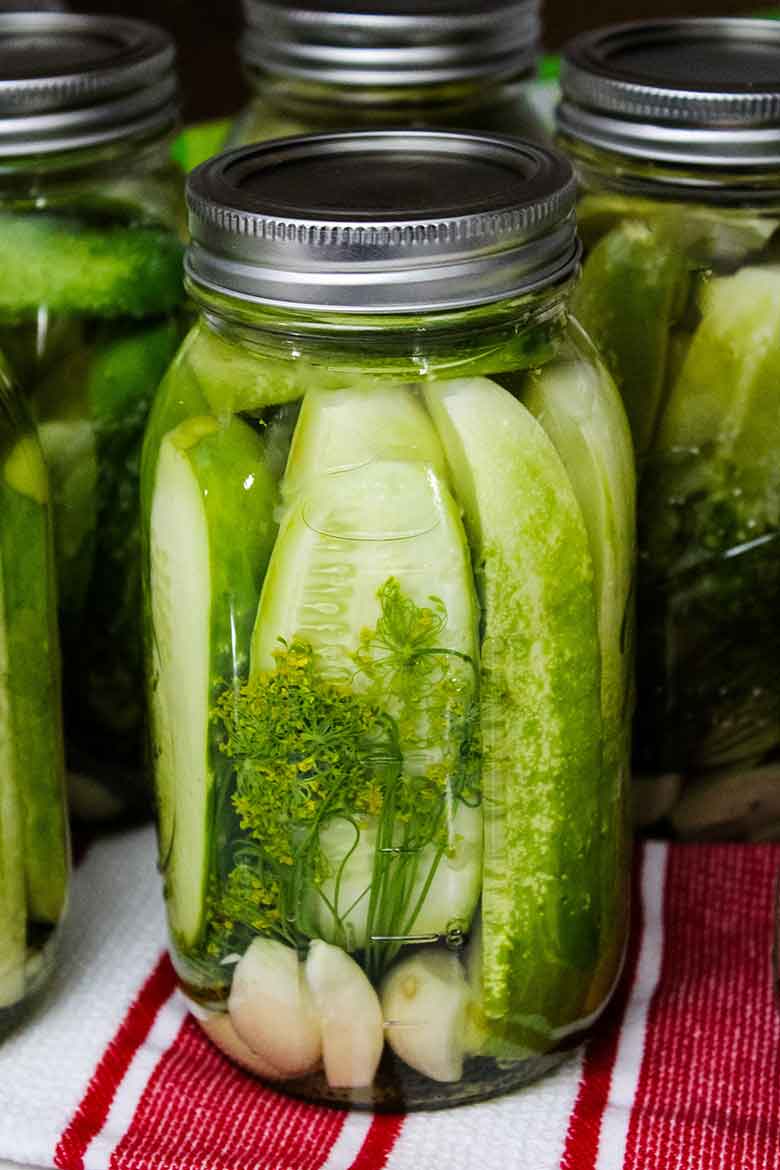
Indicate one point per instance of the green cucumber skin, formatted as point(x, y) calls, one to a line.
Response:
point(60, 401)
point(112, 271)
point(632, 289)
point(88, 298)
point(236, 379)
point(580, 409)
point(179, 396)
point(101, 394)
point(222, 462)
point(13, 899)
point(124, 375)
point(34, 699)
point(241, 530)
point(541, 717)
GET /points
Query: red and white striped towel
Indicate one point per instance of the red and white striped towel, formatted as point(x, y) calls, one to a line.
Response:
point(114, 1074)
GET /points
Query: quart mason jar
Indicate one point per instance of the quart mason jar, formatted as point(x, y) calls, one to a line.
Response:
point(349, 64)
point(34, 848)
point(388, 513)
point(674, 127)
point(91, 214)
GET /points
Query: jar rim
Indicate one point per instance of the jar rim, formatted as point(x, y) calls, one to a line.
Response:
point(396, 44)
point(698, 91)
point(69, 82)
point(386, 233)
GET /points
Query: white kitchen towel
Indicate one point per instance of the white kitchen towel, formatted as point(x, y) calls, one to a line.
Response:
point(112, 1073)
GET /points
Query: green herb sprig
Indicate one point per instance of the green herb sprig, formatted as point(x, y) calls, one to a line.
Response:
point(395, 746)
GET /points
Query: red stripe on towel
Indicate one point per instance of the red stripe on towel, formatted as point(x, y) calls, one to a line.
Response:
point(709, 1089)
point(582, 1139)
point(380, 1139)
point(199, 1110)
point(91, 1114)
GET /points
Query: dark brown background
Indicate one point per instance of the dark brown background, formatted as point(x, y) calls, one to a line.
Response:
point(206, 32)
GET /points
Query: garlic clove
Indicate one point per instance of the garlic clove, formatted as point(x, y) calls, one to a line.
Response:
point(219, 1028)
point(350, 1015)
point(424, 1002)
point(271, 1008)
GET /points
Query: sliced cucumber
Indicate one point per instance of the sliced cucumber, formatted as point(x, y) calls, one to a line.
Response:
point(33, 695)
point(116, 271)
point(211, 532)
point(724, 402)
point(351, 530)
point(708, 234)
point(124, 370)
point(540, 704)
point(234, 378)
point(60, 401)
point(71, 457)
point(447, 901)
point(345, 534)
point(633, 287)
point(580, 409)
point(13, 901)
point(339, 430)
point(179, 397)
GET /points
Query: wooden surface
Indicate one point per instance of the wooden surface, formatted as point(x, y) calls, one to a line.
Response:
point(206, 31)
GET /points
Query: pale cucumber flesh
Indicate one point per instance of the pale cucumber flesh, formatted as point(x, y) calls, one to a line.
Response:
point(181, 606)
point(211, 531)
point(362, 514)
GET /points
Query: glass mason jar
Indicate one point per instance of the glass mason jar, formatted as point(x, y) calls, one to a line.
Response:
point(388, 512)
point(680, 178)
point(91, 215)
point(352, 65)
point(34, 847)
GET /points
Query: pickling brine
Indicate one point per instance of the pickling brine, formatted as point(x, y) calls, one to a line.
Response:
point(681, 292)
point(34, 849)
point(389, 564)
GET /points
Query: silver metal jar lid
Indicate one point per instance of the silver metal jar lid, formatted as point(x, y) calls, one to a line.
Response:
point(393, 43)
point(68, 81)
point(33, 6)
point(702, 92)
point(380, 222)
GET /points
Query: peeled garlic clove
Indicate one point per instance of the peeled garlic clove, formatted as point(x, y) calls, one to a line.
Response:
point(424, 1000)
point(350, 1015)
point(271, 1008)
point(220, 1031)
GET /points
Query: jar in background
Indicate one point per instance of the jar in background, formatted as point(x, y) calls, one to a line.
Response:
point(91, 215)
point(352, 65)
point(34, 848)
point(674, 127)
point(388, 508)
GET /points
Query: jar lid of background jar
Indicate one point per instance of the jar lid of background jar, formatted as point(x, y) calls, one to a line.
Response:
point(33, 6)
point(702, 92)
point(383, 221)
point(69, 82)
point(394, 43)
